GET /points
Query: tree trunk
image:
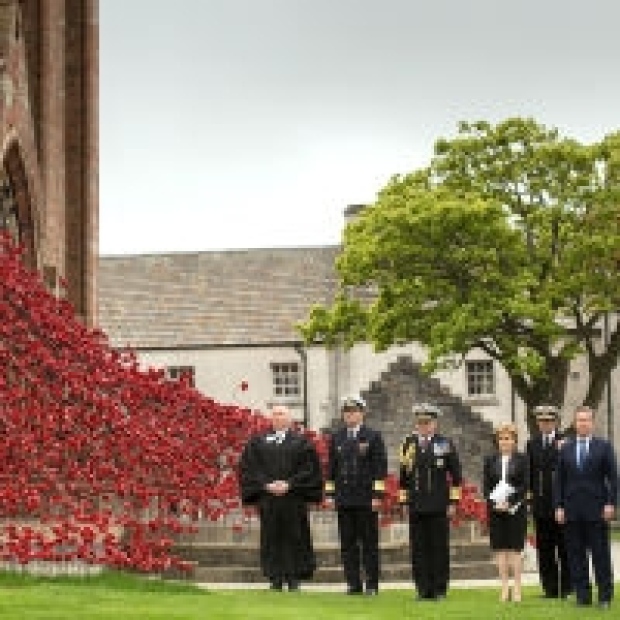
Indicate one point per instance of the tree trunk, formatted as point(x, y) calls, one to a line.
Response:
point(548, 389)
point(601, 366)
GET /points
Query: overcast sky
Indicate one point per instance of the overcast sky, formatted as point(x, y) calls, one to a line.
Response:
point(254, 123)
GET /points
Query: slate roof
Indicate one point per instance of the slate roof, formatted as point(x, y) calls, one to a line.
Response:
point(236, 297)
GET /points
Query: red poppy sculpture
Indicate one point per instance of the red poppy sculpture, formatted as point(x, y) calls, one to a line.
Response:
point(101, 460)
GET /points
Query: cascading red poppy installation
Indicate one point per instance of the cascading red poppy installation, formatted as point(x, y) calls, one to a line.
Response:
point(101, 459)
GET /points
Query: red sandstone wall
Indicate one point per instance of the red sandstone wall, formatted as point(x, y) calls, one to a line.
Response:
point(49, 90)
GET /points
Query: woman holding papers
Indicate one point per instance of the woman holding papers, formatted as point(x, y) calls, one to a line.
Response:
point(505, 487)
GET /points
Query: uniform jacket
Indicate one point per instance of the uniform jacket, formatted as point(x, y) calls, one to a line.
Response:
point(582, 492)
point(429, 479)
point(542, 466)
point(357, 468)
point(517, 476)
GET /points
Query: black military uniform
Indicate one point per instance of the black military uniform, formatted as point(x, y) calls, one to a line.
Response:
point(430, 479)
point(542, 453)
point(356, 475)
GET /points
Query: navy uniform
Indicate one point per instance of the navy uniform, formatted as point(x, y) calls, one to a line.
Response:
point(542, 451)
point(357, 469)
point(430, 479)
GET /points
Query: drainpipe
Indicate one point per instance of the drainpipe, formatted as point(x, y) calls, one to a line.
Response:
point(610, 406)
point(303, 354)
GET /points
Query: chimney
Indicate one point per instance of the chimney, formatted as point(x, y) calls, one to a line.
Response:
point(352, 211)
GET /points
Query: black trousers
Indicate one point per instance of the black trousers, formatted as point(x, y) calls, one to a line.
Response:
point(358, 528)
point(430, 553)
point(582, 537)
point(552, 560)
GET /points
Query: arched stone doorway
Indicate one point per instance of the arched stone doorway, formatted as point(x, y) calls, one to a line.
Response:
point(16, 215)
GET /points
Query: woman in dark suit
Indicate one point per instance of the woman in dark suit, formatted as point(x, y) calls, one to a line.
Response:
point(507, 471)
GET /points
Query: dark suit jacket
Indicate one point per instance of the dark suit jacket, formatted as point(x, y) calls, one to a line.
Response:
point(582, 493)
point(517, 476)
point(357, 468)
point(543, 463)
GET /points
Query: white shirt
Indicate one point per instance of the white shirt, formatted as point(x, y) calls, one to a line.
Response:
point(352, 432)
point(505, 461)
point(585, 441)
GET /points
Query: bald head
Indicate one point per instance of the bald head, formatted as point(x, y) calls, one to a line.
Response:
point(280, 417)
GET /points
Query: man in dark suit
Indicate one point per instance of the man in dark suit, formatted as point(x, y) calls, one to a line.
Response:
point(542, 451)
point(585, 496)
point(355, 485)
point(430, 480)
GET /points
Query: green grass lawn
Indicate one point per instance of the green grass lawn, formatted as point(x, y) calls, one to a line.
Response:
point(116, 596)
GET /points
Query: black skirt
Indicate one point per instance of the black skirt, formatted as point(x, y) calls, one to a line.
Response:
point(507, 531)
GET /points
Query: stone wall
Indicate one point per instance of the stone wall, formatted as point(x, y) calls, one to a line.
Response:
point(390, 401)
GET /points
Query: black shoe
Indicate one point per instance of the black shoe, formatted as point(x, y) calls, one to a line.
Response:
point(293, 585)
point(276, 585)
point(372, 592)
point(583, 603)
point(352, 590)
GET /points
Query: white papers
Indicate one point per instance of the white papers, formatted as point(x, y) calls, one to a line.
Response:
point(501, 492)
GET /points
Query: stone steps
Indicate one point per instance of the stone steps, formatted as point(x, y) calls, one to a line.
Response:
point(324, 533)
point(334, 574)
point(217, 555)
point(217, 562)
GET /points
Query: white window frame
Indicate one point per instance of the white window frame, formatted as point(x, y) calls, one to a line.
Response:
point(480, 378)
point(286, 379)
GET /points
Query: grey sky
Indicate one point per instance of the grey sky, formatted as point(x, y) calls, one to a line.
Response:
point(253, 123)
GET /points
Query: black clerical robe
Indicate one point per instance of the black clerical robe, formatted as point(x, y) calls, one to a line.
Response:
point(286, 550)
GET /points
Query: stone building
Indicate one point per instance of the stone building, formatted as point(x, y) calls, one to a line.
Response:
point(227, 319)
point(49, 140)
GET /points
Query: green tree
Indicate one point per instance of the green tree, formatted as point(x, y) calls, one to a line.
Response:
point(509, 241)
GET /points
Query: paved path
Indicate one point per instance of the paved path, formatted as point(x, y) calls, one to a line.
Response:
point(529, 578)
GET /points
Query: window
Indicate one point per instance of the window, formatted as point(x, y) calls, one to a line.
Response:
point(175, 373)
point(480, 378)
point(285, 378)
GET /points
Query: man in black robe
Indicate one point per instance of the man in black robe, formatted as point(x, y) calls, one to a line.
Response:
point(280, 474)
